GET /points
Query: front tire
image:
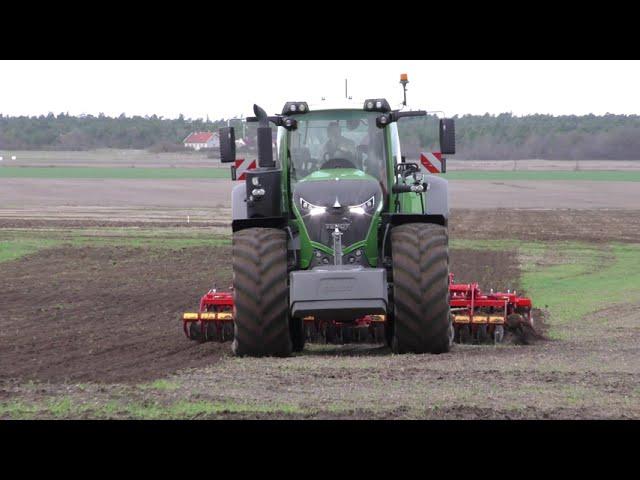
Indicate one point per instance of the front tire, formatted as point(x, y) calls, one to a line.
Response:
point(261, 293)
point(420, 258)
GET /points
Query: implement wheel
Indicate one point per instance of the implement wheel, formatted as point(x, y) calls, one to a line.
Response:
point(260, 293)
point(420, 257)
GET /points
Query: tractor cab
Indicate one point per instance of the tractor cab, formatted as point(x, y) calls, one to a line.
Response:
point(330, 139)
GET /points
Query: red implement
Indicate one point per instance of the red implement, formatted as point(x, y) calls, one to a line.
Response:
point(475, 315)
point(482, 316)
point(214, 319)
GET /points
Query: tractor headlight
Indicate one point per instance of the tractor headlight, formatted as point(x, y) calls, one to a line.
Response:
point(364, 207)
point(311, 209)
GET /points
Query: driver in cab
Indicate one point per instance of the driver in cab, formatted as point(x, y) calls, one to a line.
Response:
point(338, 146)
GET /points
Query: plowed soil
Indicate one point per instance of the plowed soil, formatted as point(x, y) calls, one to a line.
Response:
point(96, 329)
point(111, 314)
point(598, 226)
point(104, 314)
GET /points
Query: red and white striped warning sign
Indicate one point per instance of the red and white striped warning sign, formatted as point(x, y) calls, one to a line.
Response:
point(242, 166)
point(431, 162)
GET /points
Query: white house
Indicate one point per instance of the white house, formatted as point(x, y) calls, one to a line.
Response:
point(198, 140)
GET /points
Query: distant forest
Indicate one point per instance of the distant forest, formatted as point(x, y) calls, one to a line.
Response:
point(85, 132)
point(481, 137)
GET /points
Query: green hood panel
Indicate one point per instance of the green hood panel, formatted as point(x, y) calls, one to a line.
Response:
point(347, 198)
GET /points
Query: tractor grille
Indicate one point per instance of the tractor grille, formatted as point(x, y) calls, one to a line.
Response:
point(336, 197)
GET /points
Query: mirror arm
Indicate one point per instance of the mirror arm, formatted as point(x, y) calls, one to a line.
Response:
point(393, 116)
point(278, 121)
point(396, 114)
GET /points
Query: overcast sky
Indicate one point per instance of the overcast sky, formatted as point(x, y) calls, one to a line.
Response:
point(222, 89)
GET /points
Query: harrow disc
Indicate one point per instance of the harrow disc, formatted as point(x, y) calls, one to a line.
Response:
point(463, 334)
point(196, 333)
point(379, 333)
point(498, 334)
point(481, 333)
point(227, 332)
point(452, 333)
point(311, 332)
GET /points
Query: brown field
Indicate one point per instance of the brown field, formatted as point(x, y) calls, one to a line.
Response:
point(95, 328)
point(208, 201)
point(91, 330)
point(143, 158)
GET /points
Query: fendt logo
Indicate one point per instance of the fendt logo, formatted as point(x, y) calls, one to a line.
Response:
point(340, 226)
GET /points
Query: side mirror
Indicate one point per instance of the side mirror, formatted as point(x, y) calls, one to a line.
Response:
point(447, 136)
point(227, 144)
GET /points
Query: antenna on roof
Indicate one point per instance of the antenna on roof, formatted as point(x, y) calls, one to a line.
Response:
point(346, 90)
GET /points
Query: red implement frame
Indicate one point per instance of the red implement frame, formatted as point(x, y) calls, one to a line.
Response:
point(470, 305)
point(215, 308)
point(468, 298)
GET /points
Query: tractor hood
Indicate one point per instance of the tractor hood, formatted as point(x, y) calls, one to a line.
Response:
point(344, 198)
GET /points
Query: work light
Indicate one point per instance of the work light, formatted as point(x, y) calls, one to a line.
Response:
point(377, 105)
point(295, 107)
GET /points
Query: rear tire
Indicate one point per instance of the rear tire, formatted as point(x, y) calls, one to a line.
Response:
point(260, 293)
point(420, 257)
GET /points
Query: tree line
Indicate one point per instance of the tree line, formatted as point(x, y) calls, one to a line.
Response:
point(480, 137)
point(85, 132)
point(508, 137)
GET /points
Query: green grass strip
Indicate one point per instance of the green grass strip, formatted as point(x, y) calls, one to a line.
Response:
point(602, 176)
point(115, 173)
point(16, 243)
point(224, 173)
point(587, 278)
point(183, 409)
point(16, 248)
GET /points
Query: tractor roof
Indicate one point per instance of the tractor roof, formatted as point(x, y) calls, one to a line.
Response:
point(337, 104)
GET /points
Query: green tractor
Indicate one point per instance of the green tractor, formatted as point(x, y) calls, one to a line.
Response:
point(334, 225)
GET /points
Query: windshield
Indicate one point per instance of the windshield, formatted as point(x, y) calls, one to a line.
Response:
point(337, 139)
